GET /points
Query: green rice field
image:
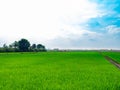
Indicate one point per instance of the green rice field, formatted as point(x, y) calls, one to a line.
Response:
point(58, 71)
point(113, 55)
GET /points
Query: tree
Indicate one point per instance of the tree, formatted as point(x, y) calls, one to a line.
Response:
point(23, 45)
point(40, 47)
point(15, 44)
point(5, 48)
point(33, 46)
point(10, 46)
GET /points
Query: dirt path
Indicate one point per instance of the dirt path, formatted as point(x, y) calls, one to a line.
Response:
point(113, 61)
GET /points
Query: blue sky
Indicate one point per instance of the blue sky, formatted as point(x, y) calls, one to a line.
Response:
point(62, 24)
point(108, 24)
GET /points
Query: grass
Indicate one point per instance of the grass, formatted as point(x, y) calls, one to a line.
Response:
point(57, 71)
point(113, 55)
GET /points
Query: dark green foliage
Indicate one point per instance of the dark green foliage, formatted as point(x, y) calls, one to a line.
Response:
point(15, 44)
point(23, 45)
point(33, 46)
point(40, 47)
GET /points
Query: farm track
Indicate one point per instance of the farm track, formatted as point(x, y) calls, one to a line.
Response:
point(113, 61)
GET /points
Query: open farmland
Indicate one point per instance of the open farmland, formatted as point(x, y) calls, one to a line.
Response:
point(113, 55)
point(57, 71)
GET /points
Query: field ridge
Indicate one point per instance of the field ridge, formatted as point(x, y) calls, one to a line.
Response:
point(113, 61)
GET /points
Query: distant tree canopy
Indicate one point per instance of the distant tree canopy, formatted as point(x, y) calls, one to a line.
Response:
point(22, 45)
point(40, 47)
point(33, 46)
point(15, 44)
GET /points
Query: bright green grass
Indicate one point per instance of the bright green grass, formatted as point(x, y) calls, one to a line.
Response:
point(113, 55)
point(57, 71)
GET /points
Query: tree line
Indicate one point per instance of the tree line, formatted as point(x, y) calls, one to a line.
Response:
point(22, 45)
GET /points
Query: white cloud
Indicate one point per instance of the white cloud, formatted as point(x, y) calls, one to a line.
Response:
point(113, 29)
point(43, 20)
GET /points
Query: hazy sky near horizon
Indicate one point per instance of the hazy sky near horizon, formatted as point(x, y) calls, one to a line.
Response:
point(61, 23)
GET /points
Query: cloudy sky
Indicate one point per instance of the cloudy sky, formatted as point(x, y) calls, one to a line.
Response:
point(61, 23)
